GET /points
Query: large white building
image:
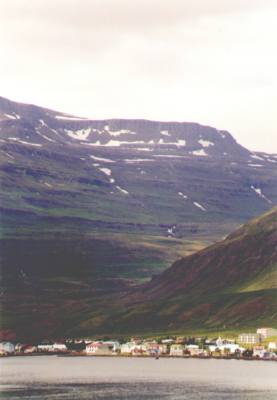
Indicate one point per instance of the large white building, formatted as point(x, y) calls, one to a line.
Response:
point(267, 332)
point(249, 338)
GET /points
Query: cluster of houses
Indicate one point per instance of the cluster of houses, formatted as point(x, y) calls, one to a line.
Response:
point(248, 345)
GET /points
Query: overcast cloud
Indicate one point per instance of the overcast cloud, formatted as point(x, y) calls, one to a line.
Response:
point(207, 61)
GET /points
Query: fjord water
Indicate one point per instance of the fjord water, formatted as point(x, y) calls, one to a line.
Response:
point(51, 377)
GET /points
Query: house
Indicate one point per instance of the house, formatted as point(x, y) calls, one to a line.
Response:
point(272, 346)
point(113, 345)
point(194, 350)
point(249, 338)
point(153, 348)
point(266, 332)
point(46, 348)
point(134, 347)
point(7, 348)
point(29, 349)
point(59, 347)
point(228, 348)
point(259, 351)
point(98, 348)
point(177, 350)
point(127, 348)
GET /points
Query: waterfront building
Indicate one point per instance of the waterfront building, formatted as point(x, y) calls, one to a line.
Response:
point(98, 348)
point(267, 332)
point(7, 348)
point(249, 338)
point(177, 350)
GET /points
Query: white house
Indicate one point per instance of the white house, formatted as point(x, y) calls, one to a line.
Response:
point(133, 348)
point(113, 345)
point(98, 348)
point(6, 348)
point(266, 332)
point(230, 347)
point(177, 350)
point(46, 347)
point(259, 351)
point(127, 348)
point(272, 346)
point(30, 349)
point(58, 346)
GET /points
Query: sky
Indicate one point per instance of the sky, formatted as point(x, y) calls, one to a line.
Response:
point(208, 61)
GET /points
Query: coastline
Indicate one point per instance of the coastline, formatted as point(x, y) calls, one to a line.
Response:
point(162, 356)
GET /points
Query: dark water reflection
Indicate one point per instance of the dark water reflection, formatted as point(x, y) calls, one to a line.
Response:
point(135, 391)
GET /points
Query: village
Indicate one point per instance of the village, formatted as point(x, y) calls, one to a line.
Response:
point(261, 345)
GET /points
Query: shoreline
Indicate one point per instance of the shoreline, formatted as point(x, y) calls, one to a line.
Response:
point(165, 356)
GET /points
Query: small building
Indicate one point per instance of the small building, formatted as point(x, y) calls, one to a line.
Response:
point(259, 351)
point(154, 348)
point(46, 348)
point(7, 348)
point(272, 346)
point(29, 349)
point(249, 338)
point(266, 332)
point(195, 351)
point(59, 347)
point(228, 348)
point(98, 348)
point(177, 350)
point(127, 348)
point(113, 345)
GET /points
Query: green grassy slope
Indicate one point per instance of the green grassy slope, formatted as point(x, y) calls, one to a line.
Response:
point(228, 286)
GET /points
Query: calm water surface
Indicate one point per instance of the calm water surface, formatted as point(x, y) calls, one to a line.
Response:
point(51, 377)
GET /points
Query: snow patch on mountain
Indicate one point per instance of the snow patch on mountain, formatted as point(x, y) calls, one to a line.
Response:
point(44, 136)
point(255, 165)
point(105, 160)
point(182, 195)
point(106, 171)
point(14, 116)
point(201, 153)
point(81, 134)
point(23, 142)
point(259, 192)
point(114, 143)
point(205, 143)
point(199, 206)
point(121, 132)
point(256, 157)
point(122, 190)
point(137, 160)
point(168, 156)
point(165, 133)
point(68, 118)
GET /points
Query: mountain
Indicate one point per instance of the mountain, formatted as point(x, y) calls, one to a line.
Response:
point(227, 286)
point(174, 187)
point(90, 208)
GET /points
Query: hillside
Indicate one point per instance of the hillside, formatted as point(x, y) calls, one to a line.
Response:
point(230, 285)
point(89, 209)
point(169, 186)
